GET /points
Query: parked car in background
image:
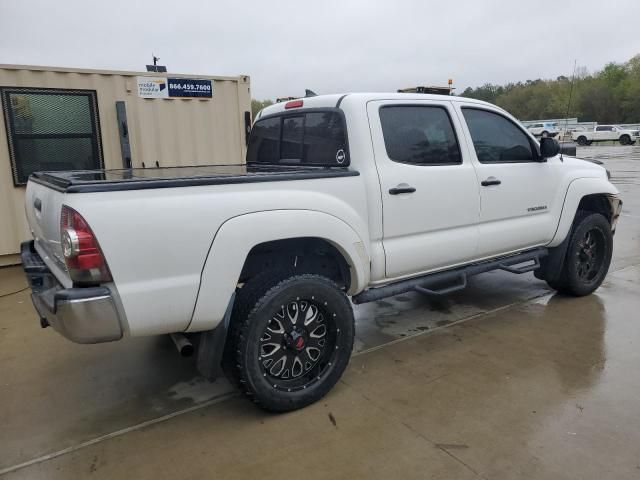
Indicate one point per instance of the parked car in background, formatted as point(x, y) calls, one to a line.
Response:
point(606, 133)
point(544, 129)
point(344, 198)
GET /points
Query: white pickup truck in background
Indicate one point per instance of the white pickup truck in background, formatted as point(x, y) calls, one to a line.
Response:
point(606, 133)
point(344, 198)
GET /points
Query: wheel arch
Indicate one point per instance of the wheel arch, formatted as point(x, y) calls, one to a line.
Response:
point(590, 194)
point(583, 196)
point(241, 241)
point(304, 254)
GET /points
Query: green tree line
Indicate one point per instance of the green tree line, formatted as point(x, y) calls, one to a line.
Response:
point(257, 105)
point(611, 95)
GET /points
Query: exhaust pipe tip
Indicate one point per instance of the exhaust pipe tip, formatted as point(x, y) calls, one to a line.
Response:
point(187, 351)
point(183, 344)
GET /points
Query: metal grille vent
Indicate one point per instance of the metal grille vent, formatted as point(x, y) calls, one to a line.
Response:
point(51, 129)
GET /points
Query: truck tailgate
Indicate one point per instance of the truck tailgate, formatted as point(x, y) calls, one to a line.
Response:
point(43, 206)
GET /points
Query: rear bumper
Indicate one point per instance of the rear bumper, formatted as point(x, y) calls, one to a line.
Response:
point(83, 315)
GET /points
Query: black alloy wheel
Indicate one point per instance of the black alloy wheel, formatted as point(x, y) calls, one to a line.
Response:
point(290, 340)
point(298, 344)
point(590, 254)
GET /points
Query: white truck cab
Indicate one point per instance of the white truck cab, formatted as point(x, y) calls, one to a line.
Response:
point(343, 198)
point(606, 133)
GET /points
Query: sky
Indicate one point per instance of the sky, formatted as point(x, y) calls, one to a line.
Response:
point(327, 46)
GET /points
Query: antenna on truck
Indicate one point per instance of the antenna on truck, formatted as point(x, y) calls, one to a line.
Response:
point(566, 117)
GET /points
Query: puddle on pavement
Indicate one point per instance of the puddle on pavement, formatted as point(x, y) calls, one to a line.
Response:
point(621, 161)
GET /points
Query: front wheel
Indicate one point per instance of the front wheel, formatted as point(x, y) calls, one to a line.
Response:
point(588, 256)
point(625, 140)
point(295, 342)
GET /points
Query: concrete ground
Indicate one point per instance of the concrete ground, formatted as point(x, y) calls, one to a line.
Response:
point(503, 380)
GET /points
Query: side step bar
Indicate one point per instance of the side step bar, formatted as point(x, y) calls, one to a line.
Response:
point(428, 284)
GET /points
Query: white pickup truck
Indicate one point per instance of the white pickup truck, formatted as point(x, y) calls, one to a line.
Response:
point(343, 198)
point(606, 133)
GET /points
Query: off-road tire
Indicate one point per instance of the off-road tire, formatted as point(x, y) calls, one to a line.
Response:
point(258, 302)
point(246, 298)
point(570, 280)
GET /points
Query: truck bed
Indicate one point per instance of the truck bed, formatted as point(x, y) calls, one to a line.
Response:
point(86, 181)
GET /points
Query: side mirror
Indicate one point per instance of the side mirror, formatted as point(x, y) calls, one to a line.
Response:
point(568, 148)
point(549, 147)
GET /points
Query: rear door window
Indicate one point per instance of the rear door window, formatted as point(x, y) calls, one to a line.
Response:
point(313, 138)
point(419, 135)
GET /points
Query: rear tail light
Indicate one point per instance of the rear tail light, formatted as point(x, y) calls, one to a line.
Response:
point(82, 254)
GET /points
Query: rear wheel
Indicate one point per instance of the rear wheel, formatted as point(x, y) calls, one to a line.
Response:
point(588, 256)
point(582, 140)
point(294, 343)
point(625, 140)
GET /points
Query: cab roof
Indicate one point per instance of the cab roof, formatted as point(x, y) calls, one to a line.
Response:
point(334, 100)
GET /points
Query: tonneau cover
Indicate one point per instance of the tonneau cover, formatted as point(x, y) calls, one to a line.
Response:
point(78, 181)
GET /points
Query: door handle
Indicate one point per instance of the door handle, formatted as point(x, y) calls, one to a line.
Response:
point(490, 181)
point(398, 190)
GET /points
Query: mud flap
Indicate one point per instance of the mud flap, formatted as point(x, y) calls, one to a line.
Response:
point(211, 347)
point(551, 265)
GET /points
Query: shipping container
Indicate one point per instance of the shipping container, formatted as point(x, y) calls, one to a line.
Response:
point(67, 119)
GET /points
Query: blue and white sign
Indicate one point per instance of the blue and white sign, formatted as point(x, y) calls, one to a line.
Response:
point(163, 87)
point(190, 87)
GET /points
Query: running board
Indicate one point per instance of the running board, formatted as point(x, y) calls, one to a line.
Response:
point(428, 284)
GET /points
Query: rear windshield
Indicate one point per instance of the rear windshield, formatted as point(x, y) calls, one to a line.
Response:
point(312, 138)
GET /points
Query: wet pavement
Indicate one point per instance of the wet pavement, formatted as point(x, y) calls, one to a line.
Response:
point(502, 380)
